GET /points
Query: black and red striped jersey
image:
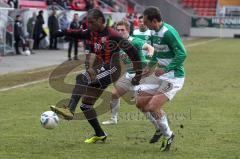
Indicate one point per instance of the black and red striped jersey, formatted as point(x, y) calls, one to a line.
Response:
point(107, 44)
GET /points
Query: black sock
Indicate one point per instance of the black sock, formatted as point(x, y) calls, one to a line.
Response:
point(73, 102)
point(82, 81)
point(91, 116)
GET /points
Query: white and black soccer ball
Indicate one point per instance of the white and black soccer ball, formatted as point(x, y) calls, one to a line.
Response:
point(49, 120)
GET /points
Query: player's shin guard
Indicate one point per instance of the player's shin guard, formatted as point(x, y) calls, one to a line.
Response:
point(91, 116)
point(82, 80)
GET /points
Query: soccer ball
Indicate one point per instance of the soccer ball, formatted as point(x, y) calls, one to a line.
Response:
point(27, 53)
point(49, 120)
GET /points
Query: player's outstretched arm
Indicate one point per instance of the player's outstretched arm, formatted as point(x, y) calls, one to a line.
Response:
point(73, 33)
point(149, 49)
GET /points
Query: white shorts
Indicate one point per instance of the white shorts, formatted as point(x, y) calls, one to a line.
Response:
point(125, 82)
point(152, 84)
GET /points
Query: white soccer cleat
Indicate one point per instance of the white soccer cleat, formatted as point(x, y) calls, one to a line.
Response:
point(110, 122)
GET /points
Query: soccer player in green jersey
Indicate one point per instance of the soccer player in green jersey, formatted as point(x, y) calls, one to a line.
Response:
point(142, 32)
point(124, 85)
point(165, 65)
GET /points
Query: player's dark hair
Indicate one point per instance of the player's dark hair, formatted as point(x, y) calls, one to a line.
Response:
point(153, 13)
point(125, 23)
point(96, 13)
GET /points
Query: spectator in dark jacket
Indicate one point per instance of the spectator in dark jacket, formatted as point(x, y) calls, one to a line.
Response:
point(38, 32)
point(74, 42)
point(53, 26)
point(30, 24)
point(18, 34)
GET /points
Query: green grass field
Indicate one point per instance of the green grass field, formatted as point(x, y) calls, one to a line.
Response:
point(204, 115)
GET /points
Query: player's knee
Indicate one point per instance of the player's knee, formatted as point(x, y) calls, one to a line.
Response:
point(157, 102)
point(143, 108)
point(115, 95)
point(140, 104)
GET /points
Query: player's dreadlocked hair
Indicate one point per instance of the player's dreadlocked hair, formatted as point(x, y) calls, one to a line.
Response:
point(96, 13)
point(153, 13)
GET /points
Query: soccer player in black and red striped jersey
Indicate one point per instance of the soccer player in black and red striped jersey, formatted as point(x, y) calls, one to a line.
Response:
point(105, 43)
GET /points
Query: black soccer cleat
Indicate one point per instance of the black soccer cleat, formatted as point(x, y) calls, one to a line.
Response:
point(166, 143)
point(157, 135)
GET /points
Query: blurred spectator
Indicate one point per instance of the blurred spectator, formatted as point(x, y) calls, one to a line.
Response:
point(135, 21)
point(74, 42)
point(83, 26)
point(63, 3)
point(30, 27)
point(130, 19)
point(38, 32)
point(53, 27)
point(89, 4)
point(78, 5)
point(110, 21)
point(108, 2)
point(18, 34)
point(30, 24)
point(9, 34)
point(63, 21)
point(83, 23)
point(13, 3)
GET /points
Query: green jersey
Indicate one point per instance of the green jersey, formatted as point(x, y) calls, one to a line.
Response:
point(138, 44)
point(169, 51)
point(146, 36)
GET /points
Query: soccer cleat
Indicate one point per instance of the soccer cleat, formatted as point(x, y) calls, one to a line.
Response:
point(110, 122)
point(95, 138)
point(156, 136)
point(65, 112)
point(166, 143)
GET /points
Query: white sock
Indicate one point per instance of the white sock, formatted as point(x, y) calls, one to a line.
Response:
point(164, 127)
point(115, 103)
point(152, 119)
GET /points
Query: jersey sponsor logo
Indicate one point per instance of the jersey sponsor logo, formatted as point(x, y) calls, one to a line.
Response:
point(147, 37)
point(156, 40)
point(164, 62)
point(97, 46)
point(161, 48)
point(104, 39)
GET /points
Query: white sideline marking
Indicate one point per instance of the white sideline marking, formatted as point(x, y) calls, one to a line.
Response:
point(201, 43)
point(44, 80)
point(23, 85)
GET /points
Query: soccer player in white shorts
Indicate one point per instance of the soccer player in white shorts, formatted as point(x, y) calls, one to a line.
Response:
point(166, 65)
point(153, 84)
